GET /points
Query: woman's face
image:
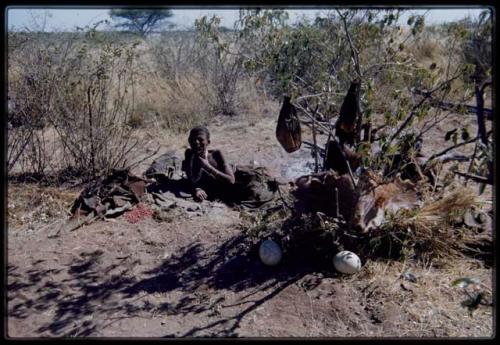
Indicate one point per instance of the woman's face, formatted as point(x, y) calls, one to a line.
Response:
point(198, 143)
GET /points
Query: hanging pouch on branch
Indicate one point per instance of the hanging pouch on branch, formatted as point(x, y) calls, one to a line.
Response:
point(288, 130)
point(348, 126)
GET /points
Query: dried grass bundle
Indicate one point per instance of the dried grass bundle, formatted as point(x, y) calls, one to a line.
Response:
point(444, 209)
point(430, 230)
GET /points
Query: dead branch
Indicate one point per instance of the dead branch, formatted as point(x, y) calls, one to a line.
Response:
point(306, 112)
point(445, 151)
point(354, 51)
point(454, 106)
point(426, 97)
point(475, 178)
point(316, 153)
point(408, 119)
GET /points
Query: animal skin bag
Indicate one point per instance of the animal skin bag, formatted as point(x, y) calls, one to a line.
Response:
point(288, 130)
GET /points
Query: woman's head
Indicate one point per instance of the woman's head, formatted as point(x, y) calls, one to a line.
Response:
point(199, 138)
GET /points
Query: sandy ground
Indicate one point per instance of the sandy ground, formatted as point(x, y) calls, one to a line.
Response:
point(190, 275)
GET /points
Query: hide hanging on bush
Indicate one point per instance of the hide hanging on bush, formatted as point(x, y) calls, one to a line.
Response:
point(288, 130)
point(348, 125)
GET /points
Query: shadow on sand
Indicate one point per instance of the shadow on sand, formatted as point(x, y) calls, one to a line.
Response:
point(89, 292)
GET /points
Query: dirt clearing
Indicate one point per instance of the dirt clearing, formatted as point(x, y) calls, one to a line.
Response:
point(190, 275)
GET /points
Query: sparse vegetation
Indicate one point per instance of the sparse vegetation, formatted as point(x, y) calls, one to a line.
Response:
point(85, 103)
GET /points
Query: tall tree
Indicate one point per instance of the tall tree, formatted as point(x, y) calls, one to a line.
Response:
point(141, 21)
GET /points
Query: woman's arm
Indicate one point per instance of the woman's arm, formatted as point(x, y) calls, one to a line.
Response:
point(223, 172)
point(198, 193)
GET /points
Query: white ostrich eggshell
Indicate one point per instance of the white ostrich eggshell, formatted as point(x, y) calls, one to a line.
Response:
point(270, 253)
point(347, 262)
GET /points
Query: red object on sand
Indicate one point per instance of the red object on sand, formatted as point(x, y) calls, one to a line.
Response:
point(141, 211)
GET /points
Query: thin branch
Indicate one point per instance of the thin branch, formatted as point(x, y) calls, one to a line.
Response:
point(306, 112)
point(320, 94)
point(442, 153)
point(413, 112)
point(408, 119)
point(354, 51)
point(475, 178)
point(130, 166)
point(453, 106)
point(316, 153)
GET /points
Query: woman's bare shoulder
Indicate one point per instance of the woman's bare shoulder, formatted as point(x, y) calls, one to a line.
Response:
point(188, 152)
point(216, 154)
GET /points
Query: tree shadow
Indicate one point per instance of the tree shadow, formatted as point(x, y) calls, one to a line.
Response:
point(89, 292)
point(233, 266)
point(70, 300)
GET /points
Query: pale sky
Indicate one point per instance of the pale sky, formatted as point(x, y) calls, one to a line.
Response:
point(59, 18)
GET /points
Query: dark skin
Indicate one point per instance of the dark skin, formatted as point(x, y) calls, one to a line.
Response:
point(209, 164)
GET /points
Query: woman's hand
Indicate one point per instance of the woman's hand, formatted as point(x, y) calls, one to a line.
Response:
point(200, 194)
point(207, 167)
point(204, 162)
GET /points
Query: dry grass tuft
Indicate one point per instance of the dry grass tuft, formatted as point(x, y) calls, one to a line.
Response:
point(430, 231)
point(30, 203)
point(444, 209)
point(429, 306)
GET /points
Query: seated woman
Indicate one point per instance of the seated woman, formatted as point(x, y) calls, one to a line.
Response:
point(209, 174)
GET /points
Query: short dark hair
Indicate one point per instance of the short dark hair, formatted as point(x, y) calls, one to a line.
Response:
point(199, 130)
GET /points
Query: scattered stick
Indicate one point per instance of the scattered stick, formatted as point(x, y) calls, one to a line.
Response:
point(475, 178)
point(354, 182)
